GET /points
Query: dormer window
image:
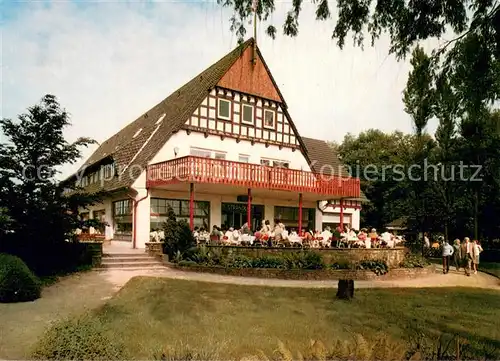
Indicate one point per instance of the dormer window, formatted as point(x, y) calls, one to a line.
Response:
point(224, 109)
point(247, 114)
point(269, 116)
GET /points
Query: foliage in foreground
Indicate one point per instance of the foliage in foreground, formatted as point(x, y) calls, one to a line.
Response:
point(17, 282)
point(86, 340)
point(80, 339)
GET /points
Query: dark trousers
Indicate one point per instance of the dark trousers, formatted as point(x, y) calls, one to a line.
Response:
point(446, 264)
point(457, 262)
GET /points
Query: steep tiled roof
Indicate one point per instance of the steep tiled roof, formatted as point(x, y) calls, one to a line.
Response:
point(139, 141)
point(324, 159)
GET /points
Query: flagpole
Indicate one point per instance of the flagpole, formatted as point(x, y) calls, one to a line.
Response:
point(254, 6)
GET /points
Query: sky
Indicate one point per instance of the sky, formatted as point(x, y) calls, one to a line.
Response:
point(110, 61)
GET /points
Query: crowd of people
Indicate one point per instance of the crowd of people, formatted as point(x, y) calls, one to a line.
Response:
point(464, 254)
point(277, 235)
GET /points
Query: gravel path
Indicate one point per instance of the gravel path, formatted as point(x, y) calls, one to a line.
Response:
point(452, 279)
point(22, 323)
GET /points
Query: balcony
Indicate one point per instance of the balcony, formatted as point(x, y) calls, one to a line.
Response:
point(192, 169)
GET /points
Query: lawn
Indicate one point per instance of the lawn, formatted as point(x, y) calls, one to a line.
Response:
point(230, 321)
point(490, 267)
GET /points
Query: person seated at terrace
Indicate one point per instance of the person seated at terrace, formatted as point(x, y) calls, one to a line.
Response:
point(278, 230)
point(203, 236)
point(245, 229)
point(327, 237)
point(373, 237)
point(215, 234)
point(196, 233)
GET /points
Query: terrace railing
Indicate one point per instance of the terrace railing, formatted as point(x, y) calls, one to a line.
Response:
point(192, 169)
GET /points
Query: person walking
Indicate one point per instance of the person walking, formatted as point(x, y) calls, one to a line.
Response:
point(477, 249)
point(447, 253)
point(467, 252)
point(457, 254)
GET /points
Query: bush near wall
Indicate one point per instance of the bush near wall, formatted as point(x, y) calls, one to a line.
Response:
point(298, 260)
point(17, 282)
point(391, 256)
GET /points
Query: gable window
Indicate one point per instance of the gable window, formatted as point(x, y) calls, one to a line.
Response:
point(220, 155)
point(197, 152)
point(269, 118)
point(224, 109)
point(247, 116)
point(244, 158)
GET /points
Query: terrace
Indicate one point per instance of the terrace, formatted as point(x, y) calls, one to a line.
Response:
point(191, 169)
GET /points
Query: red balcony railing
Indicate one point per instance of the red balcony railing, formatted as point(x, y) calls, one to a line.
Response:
point(216, 171)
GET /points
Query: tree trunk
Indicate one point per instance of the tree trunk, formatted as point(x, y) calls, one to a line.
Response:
point(476, 214)
point(345, 289)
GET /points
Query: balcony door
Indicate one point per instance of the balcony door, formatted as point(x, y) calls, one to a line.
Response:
point(235, 215)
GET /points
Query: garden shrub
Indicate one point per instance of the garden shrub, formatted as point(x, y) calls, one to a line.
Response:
point(414, 261)
point(79, 339)
point(17, 282)
point(341, 264)
point(178, 237)
point(379, 267)
point(304, 260)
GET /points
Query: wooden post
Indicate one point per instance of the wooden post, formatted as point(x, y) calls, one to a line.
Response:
point(249, 209)
point(300, 213)
point(191, 206)
point(345, 289)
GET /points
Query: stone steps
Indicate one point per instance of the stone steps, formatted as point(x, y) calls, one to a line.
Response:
point(130, 261)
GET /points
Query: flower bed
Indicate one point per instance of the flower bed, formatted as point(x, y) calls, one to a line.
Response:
point(391, 256)
point(305, 274)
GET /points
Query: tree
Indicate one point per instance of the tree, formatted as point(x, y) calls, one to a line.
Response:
point(178, 236)
point(380, 160)
point(43, 215)
point(471, 56)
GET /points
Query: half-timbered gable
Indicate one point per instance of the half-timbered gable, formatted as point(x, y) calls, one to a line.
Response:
point(245, 117)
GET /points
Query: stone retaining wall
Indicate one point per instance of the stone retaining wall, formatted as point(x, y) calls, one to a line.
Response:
point(396, 273)
point(154, 249)
point(95, 249)
point(392, 256)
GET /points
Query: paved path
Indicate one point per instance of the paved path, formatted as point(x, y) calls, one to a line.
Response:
point(22, 323)
point(452, 279)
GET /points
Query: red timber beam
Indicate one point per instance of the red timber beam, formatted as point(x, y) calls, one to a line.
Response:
point(249, 209)
point(300, 213)
point(191, 206)
point(341, 215)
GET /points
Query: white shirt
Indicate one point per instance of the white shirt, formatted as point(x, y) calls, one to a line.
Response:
point(468, 248)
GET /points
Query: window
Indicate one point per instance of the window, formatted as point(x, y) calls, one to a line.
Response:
point(100, 215)
point(159, 212)
point(244, 158)
point(280, 164)
point(108, 170)
point(265, 162)
point(247, 114)
point(290, 217)
point(224, 109)
point(197, 152)
point(269, 119)
point(122, 219)
point(220, 155)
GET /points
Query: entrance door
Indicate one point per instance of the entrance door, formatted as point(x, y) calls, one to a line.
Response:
point(235, 215)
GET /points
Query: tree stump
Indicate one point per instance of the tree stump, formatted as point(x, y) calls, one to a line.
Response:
point(345, 289)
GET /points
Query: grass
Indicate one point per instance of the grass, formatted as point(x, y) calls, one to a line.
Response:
point(151, 314)
point(491, 268)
